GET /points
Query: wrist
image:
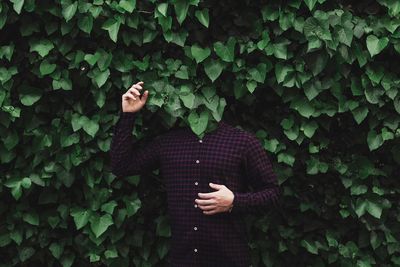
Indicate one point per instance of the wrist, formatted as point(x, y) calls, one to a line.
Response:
point(231, 205)
point(230, 208)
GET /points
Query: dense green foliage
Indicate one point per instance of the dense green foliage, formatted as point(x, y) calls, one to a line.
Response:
point(316, 80)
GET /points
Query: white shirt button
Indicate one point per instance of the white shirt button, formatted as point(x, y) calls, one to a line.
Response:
point(195, 228)
point(197, 161)
point(201, 141)
point(196, 183)
point(195, 250)
point(195, 205)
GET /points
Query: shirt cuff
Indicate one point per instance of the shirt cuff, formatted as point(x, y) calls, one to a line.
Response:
point(127, 119)
point(239, 199)
point(238, 203)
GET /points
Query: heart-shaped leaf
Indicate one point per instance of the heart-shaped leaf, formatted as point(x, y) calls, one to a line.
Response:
point(375, 45)
point(100, 224)
point(199, 53)
point(29, 95)
point(46, 67)
point(198, 123)
point(213, 68)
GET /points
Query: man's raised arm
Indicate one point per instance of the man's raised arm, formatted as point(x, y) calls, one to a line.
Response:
point(127, 157)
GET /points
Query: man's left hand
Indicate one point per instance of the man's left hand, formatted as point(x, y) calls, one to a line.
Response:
point(217, 201)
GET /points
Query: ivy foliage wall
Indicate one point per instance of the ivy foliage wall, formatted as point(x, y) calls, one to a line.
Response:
point(316, 80)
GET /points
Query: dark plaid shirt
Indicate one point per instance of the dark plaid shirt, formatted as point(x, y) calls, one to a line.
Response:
point(227, 155)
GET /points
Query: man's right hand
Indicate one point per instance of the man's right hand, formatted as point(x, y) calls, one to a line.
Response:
point(131, 101)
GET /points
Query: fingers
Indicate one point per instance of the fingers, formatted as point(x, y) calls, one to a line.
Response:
point(206, 204)
point(144, 96)
point(134, 91)
point(207, 195)
point(205, 201)
point(208, 208)
point(129, 96)
point(138, 85)
point(135, 87)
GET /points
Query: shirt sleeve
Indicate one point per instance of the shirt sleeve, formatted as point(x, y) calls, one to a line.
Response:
point(129, 157)
point(258, 173)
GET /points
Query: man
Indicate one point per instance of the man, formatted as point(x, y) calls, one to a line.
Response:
point(205, 180)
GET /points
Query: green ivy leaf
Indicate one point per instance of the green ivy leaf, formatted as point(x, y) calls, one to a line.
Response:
point(251, 86)
point(31, 218)
point(29, 95)
point(46, 67)
point(360, 207)
point(25, 253)
point(100, 224)
point(17, 5)
point(109, 206)
point(309, 128)
point(56, 250)
point(182, 73)
point(65, 84)
point(81, 217)
point(92, 59)
point(310, 246)
point(111, 253)
point(132, 206)
point(101, 77)
point(69, 11)
point(43, 47)
point(181, 9)
point(112, 26)
point(213, 68)
point(259, 73)
point(198, 123)
point(374, 209)
point(376, 45)
point(187, 99)
point(310, 4)
point(203, 17)
point(226, 52)
point(360, 114)
point(199, 53)
point(67, 259)
point(128, 5)
point(303, 106)
point(396, 103)
point(282, 71)
point(359, 189)
point(89, 126)
point(85, 23)
point(163, 8)
point(374, 140)
point(26, 182)
point(345, 36)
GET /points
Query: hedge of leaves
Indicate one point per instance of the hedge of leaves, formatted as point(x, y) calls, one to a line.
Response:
point(317, 81)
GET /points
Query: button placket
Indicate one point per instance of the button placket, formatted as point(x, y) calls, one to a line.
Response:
point(196, 183)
